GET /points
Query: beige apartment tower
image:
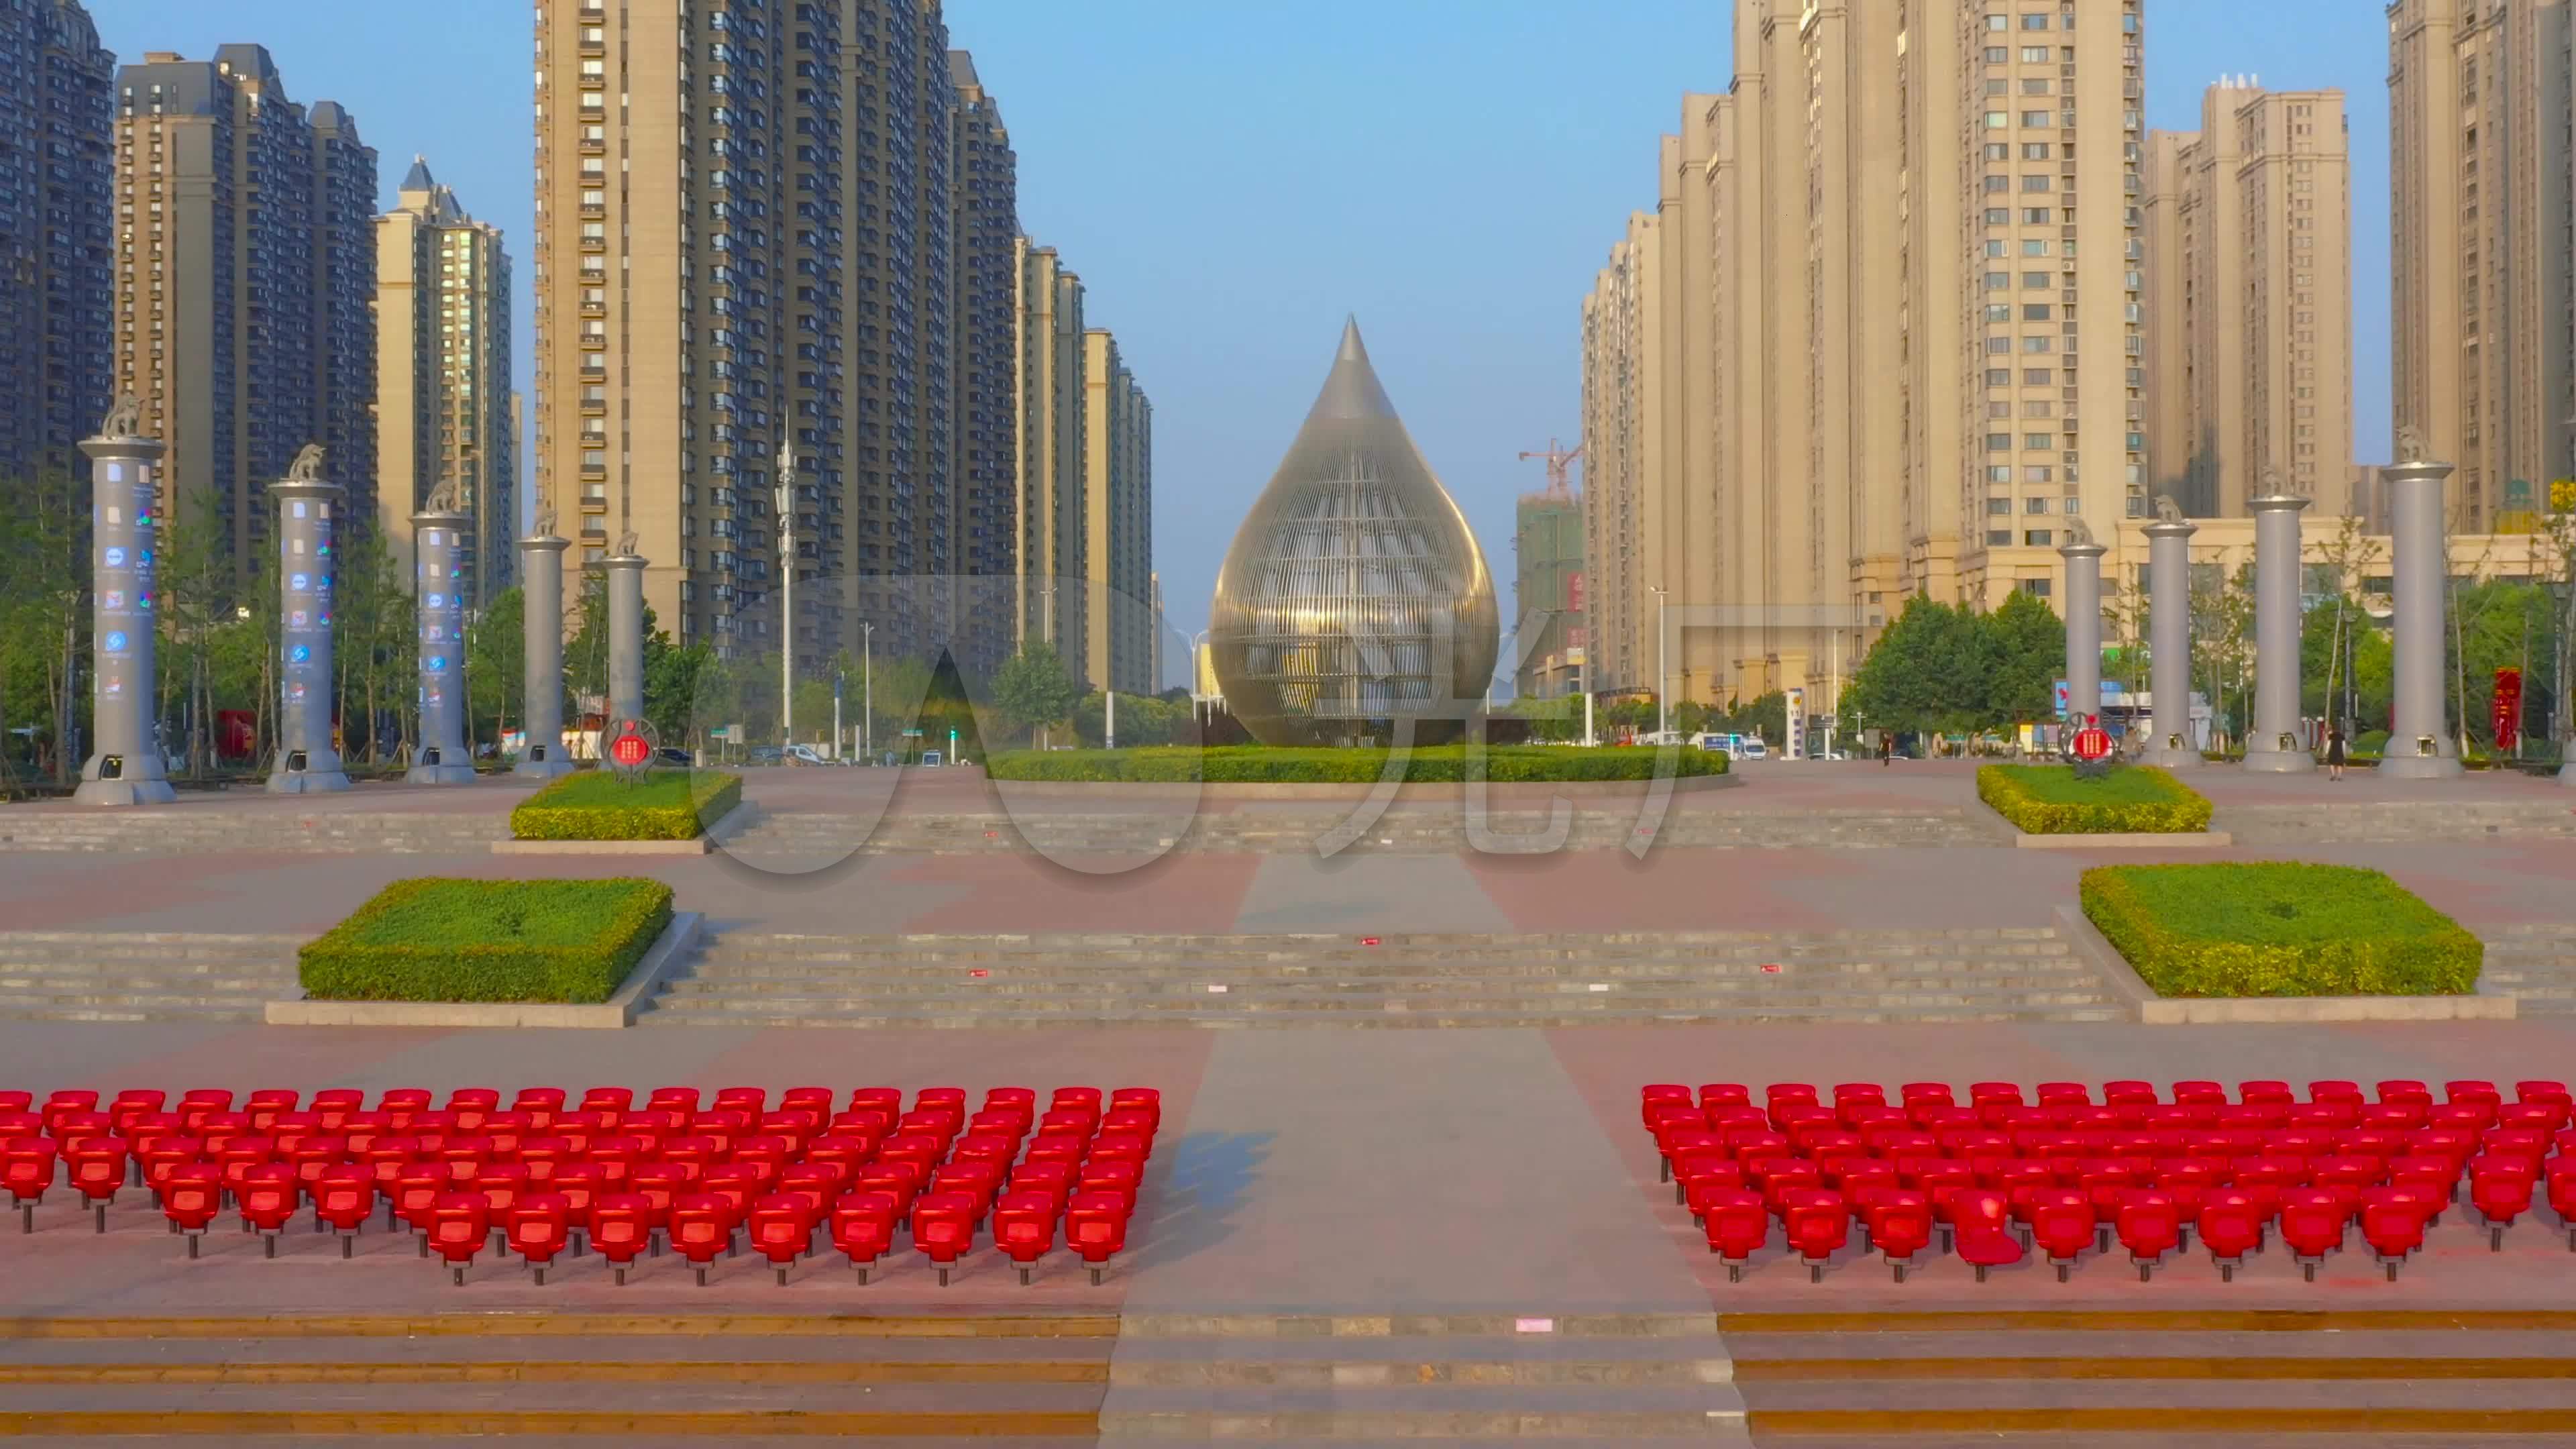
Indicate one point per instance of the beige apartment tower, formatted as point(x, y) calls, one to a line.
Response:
point(444, 409)
point(1118, 521)
point(2482, 279)
point(2248, 227)
point(1049, 457)
point(1883, 335)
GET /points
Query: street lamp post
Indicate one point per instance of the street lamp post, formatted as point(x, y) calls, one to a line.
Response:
point(786, 494)
point(1663, 710)
point(867, 690)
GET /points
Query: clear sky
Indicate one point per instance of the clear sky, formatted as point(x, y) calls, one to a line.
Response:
point(1230, 179)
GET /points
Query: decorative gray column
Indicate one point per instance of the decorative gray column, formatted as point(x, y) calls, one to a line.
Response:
point(541, 556)
point(442, 756)
point(126, 766)
point(2083, 555)
point(307, 763)
point(2419, 743)
point(2273, 744)
point(625, 631)
point(2169, 637)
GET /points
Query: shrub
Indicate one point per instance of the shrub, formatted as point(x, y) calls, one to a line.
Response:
point(2370, 742)
point(597, 805)
point(488, 940)
point(2278, 929)
point(1259, 764)
point(2132, 799)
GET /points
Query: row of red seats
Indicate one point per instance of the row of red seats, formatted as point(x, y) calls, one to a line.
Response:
point(545, 1175)
point(2067, 1175)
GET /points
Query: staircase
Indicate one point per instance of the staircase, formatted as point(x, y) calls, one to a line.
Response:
point(2536, 964)
point(807, 840)
point(197, 828)
point(142, 975)
point(1627, 1379)
point(750, 979)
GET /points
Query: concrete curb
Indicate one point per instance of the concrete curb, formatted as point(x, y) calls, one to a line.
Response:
point(617, 1011)
point(2153, 1010)
point(1577, 792)
point(2184, 1010)
point(697, 845)
point(2130, 840)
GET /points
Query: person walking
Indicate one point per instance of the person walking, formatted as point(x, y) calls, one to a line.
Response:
point(1886, 747)
point(2334, 752)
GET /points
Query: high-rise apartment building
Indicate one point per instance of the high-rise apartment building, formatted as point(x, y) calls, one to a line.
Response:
point(444, 409)
point(2482, 277)
point(2248, 228)
point(57, 243)
point(1886, 335)
point(1547, 593)
point(1614, 478)
point(245, 277)
point(1048, 517)
point(1118, 521)
point(984, 239)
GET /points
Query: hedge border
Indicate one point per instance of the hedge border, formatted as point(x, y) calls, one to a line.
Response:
point(338, 966)
point(1262, 765)
point(2004, 792)
point(542, 816)
point(2435, 956)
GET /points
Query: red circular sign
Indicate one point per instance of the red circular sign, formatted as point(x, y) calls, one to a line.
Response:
point(629, 750)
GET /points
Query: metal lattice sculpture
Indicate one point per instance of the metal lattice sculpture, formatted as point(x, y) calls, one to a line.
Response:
point(1355, 595)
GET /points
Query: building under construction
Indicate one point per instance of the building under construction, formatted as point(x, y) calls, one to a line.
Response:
point(1547, 586)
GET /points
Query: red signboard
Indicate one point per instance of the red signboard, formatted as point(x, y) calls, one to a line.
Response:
point(2506, 714)
point(630, 750)
point(1574, 591)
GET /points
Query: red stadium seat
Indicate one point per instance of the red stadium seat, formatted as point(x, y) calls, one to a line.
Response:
point(538, 1227)
point(2500, 1189)
point(701, 1229)
point(863, 1224)
point(1737, 1225)
point(621, 1229)
point(27, 1170)
point(1981, 1221)
point(2061, 1226)
point(1024, 1228)
point(943, 1228)
point(1095, 1228)
point(781, 1229)
point(268, 1195)
point(2393, 1224)
point(1818, 1223)
point(344, 1197)
point(2150, 1226)
point(2230, 1227)
point(191, 1197)
point(96, 1169)
point(460, 1226)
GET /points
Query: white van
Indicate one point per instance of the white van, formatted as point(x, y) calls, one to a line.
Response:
point(1750, 747)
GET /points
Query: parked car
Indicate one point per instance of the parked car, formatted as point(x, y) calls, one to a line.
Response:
point(673, 757)
point(765, 755)
point(808, 755)
point(1750, 747)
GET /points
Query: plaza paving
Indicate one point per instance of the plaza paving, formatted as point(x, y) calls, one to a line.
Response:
point(1345, 1234)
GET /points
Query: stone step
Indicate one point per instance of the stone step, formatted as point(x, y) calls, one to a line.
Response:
point(1324, 973)
point(264, 986)
point(1688, 957)
point(1060, 995)
point(864, 1015)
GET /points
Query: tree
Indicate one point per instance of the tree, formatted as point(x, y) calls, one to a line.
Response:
point(44, 587)
point(1033, 690)
point(2026, 656)
point(496, 665)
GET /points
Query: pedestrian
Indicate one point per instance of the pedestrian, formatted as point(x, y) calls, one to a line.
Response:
point(2334, 752)
point(1886, 747)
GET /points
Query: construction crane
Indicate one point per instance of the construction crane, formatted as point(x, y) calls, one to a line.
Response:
point(1556, 459)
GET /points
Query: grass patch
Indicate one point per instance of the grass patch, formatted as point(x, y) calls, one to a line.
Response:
point(2278, 929)
point(488, 940)
point(2132, 799)
point(1260, 764)
point(597, 805)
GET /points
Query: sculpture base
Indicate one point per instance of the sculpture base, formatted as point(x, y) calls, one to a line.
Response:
point(123, 792)
point(554, 769)
point(307, 782)
point(2280, 762)
point(439, 775)
point(2420, 767)
point(2173, 759)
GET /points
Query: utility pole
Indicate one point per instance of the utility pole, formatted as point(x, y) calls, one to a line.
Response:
point(867, 691)
point(1663, 708)
point(786, 493)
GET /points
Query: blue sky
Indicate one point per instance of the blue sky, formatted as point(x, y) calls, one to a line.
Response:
point(1230, 179)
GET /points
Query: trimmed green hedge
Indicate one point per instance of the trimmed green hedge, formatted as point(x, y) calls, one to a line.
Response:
point(1258, 764)
point(488, 940)
point(2132, 799)
point(596, 805)
point(2278, 928)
